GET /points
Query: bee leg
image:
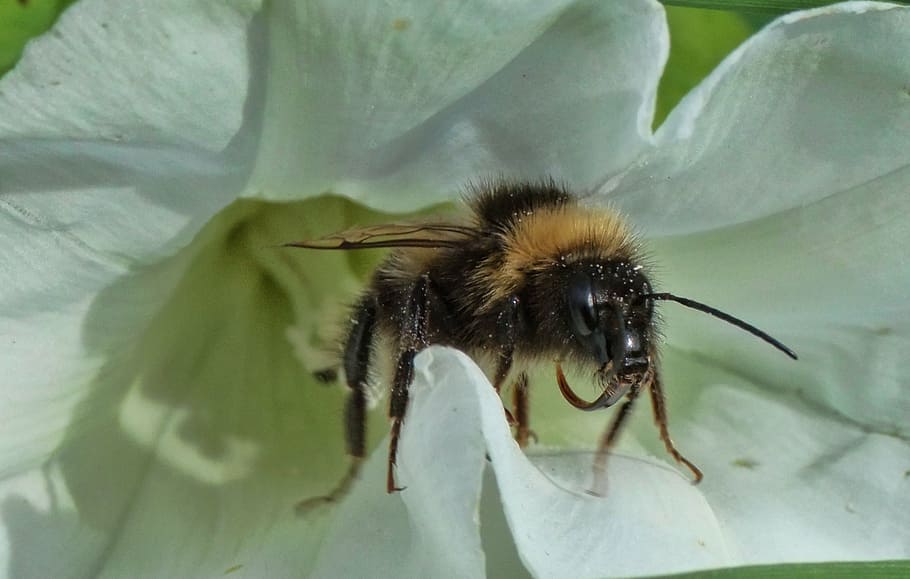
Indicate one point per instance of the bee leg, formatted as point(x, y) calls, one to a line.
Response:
point(356, 361)
point(660, 417)
point(609, 440)
point(502, 371)
point(520, 403)
point(413, 340)
point(507, 326)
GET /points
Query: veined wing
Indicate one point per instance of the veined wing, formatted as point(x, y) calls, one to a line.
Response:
point(393, 235)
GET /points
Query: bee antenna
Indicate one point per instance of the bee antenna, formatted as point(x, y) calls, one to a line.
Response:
point(723, 316)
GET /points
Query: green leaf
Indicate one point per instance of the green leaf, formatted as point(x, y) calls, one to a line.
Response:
point(21, 20)
point(798, 571)
point(699, 40)
point(759, 6)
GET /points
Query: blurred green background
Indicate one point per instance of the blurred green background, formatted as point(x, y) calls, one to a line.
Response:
point(21, 20)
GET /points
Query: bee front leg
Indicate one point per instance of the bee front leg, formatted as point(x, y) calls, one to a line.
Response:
point(609, 441)
point(660, 417)
point(413, 339)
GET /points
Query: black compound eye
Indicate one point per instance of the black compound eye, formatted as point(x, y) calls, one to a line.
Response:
point(581, 304)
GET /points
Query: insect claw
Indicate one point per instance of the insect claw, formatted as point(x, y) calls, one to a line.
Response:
point(307, 506)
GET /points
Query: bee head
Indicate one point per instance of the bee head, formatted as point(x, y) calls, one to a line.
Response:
point(608, 318)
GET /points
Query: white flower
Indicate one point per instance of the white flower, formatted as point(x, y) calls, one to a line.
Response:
point(156, 422)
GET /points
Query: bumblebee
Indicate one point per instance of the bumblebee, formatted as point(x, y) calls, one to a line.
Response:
point(530, 275)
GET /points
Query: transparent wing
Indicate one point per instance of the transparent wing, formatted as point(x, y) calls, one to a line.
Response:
point(393, 235)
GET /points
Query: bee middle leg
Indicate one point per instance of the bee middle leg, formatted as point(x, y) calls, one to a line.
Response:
point(609, 441)
point(522, 411)
point(508, 327)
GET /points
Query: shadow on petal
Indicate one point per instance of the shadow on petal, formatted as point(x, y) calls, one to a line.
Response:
point(203, 428)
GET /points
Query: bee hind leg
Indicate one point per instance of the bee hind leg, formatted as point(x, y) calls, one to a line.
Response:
point(357, 352)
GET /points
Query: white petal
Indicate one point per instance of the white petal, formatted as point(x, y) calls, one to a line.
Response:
point(785, 481)
point(401, 105)
point(64, 256)
point(197, 429)
point(58, 258)
point(651, 521)
point(204, 530)
point(166, 72)
point(80, 221)
point(430, 528)
point(829, 279)
point(814, 104)
point(78, 215)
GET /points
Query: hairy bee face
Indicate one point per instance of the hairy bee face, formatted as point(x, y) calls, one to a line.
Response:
point(610, 320)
